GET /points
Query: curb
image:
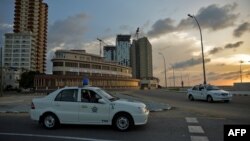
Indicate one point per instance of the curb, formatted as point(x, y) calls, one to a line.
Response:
point(240, 94)
point(167, 107)
point(13, 112)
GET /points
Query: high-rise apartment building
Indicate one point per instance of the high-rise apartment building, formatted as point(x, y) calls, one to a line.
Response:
point(123, 49)
point(19, 51)
point(31, 16)
point(141, 59)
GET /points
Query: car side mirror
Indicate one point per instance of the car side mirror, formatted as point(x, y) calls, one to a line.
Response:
point(102, 101)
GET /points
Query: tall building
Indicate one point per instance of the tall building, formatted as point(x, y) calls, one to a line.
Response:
point(109, 53)
point(123, 49)
point(1, 48)
point(19, 51)
point(141, 59)
point(31, 16)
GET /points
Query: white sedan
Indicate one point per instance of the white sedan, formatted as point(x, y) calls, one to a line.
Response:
point(208, 92)
point(87, 105)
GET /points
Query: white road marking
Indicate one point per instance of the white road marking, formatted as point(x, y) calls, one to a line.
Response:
point(51, 136)
point(199, 138)
point(195, 129)
point(191, 120)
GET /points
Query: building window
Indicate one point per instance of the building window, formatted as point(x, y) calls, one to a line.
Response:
point(57, 72)
point(113, 68)
point(70, 64)
point(57, 64)
point(96, 66)
point(84, 65)
point(84, 74)
point(71, 73)
point(105, 67)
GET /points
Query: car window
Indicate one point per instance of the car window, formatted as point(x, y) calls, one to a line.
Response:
point(107, 95)
point(211, 87)
point(89, 96)
point(69, 95)
point(196, 88)
point(201, 87)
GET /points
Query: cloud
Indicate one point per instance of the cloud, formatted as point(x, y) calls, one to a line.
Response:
point(212, 17)
point(230, 75)
point(190, 62)
point(5, 28)
point(66, 34)
point(245, 27)
point(227, 46)
point(70, 30)
point(215, 50)
point(162, 26)
point(233, 45)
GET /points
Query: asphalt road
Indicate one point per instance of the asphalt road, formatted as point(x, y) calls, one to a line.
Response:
point(170, 125)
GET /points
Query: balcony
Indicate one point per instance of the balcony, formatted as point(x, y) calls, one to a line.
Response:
point(18, 2)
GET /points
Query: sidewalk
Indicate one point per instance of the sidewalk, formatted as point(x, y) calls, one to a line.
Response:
point(20, 103)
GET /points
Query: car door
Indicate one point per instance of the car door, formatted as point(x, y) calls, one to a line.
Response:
point(66, 106)
point(203, 93)
point(91, 111)
point(195, 92)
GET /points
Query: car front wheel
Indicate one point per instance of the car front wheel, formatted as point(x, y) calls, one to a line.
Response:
point(209, 99)
point(50, 121)
point(123, 122)
point(191, 98)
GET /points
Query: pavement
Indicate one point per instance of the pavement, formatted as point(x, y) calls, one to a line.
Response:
point(20, 103)
point(235, 93)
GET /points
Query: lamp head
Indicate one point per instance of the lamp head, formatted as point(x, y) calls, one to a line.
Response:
point(190, 16)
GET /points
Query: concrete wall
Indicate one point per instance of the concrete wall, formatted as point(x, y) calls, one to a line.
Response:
point(242, 86)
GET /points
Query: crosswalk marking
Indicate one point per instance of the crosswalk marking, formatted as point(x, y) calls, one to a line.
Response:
point(199, 138)
point(191, 120)
point(195, 129)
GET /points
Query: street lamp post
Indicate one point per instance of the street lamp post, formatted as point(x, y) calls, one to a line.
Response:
point(203, 61)
point(173, 76)
point(166, 83)
point(241, 72)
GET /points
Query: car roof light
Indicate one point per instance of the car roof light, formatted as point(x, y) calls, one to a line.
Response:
point(85, 82)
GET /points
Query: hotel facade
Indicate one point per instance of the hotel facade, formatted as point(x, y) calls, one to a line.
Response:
point(70, 67)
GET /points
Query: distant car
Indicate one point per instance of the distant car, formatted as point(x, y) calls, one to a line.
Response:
point(87, 105)
point(209, 93)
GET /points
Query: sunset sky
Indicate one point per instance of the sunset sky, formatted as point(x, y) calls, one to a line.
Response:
point(225, 24)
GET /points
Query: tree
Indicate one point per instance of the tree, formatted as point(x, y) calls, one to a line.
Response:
point(27, 79)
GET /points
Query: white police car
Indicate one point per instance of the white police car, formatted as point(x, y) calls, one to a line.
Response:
point(208, 92)
point(87, 105)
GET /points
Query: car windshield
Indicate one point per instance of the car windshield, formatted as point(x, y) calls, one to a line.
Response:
point(107, 95)
point(210, 87)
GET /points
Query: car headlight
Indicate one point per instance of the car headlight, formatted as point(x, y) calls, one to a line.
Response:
point(143, 109)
